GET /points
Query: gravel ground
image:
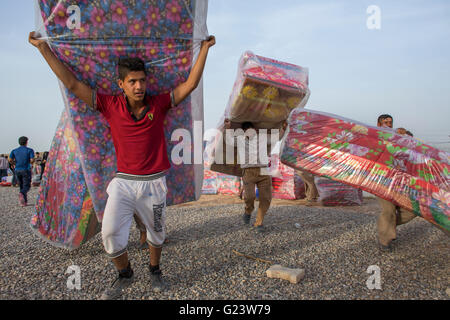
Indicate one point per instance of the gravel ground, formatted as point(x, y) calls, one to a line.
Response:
point(335, 246)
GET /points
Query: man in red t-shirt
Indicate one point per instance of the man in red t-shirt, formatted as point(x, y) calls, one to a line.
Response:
point(136, 122)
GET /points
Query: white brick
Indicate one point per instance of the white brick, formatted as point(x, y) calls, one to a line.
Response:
point(292, 275)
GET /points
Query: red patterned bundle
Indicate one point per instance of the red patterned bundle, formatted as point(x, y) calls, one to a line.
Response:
point(286, 184)
point(333, 193)
point(227, 184)
point(400, 169)
point(209, 182)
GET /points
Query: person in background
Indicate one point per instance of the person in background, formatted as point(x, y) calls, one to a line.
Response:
point(43, 163)
point(37, 159)
point(3, 166)
point(23, 157)
point(36, 169)
point(143, 233)
point(254, 176)
point(391, 215)
point(241, 190)
point(14, 179)
point(312, 194)
point(385, 121)
point(403, 132)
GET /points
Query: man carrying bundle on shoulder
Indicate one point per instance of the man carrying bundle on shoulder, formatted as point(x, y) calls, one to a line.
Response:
point(255, 174)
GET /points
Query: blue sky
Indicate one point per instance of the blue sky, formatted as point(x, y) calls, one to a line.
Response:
point(402, 69)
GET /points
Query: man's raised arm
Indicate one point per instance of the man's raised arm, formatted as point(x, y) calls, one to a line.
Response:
point(185, 89)
point(78, 88)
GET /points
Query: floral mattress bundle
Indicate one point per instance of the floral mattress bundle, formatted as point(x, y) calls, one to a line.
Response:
point(89, 37)
point(397, 168)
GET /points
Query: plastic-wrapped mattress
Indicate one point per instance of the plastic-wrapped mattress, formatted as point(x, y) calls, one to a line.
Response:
point(397, 168)
point(89, 37)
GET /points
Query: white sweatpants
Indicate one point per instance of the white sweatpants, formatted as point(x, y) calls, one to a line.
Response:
point(125, 197)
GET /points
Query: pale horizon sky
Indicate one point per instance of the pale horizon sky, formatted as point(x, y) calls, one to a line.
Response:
point(402, 69)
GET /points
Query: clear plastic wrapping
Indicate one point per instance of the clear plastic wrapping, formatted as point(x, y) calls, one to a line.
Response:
point(219, 183)
point(209, 182)
point(398, 168)
point(228, 184)
point(89, 37)
point(333, 193)
point(266, 90)
point(264, 93)
point(286, 183)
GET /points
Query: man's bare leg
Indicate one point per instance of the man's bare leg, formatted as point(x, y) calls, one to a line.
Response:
point(124, 280)
point(121, 262)
point(155, 273)
point(143, 238)
point(155, 255)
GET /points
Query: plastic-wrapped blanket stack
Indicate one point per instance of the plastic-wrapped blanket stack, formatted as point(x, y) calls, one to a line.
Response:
point(227, 184)
point(36, 174)
point(266, 91)
point(286, 183)
point(333, 193)
point(397, 168)
point(89, 37)
point(209, 182)
point(6, 181)
point(218, 183)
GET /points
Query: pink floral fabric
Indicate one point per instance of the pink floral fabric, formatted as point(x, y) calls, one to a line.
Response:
point(82, 157)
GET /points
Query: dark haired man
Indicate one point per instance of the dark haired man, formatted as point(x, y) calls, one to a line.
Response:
point(43, 163)
point(391, 215)
point(137, 123)
point(255, 173)
point(403, 132)
point(385, 121)
point(22, 157)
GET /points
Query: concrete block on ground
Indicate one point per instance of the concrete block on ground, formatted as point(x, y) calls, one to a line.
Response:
point(280, 272)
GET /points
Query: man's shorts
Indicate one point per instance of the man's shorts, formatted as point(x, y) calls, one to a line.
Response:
point(129, 194)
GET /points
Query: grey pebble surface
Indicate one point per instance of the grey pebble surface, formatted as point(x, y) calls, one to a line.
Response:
point(335, 246)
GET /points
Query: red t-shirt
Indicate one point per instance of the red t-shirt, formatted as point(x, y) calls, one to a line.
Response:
point(140, 143)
